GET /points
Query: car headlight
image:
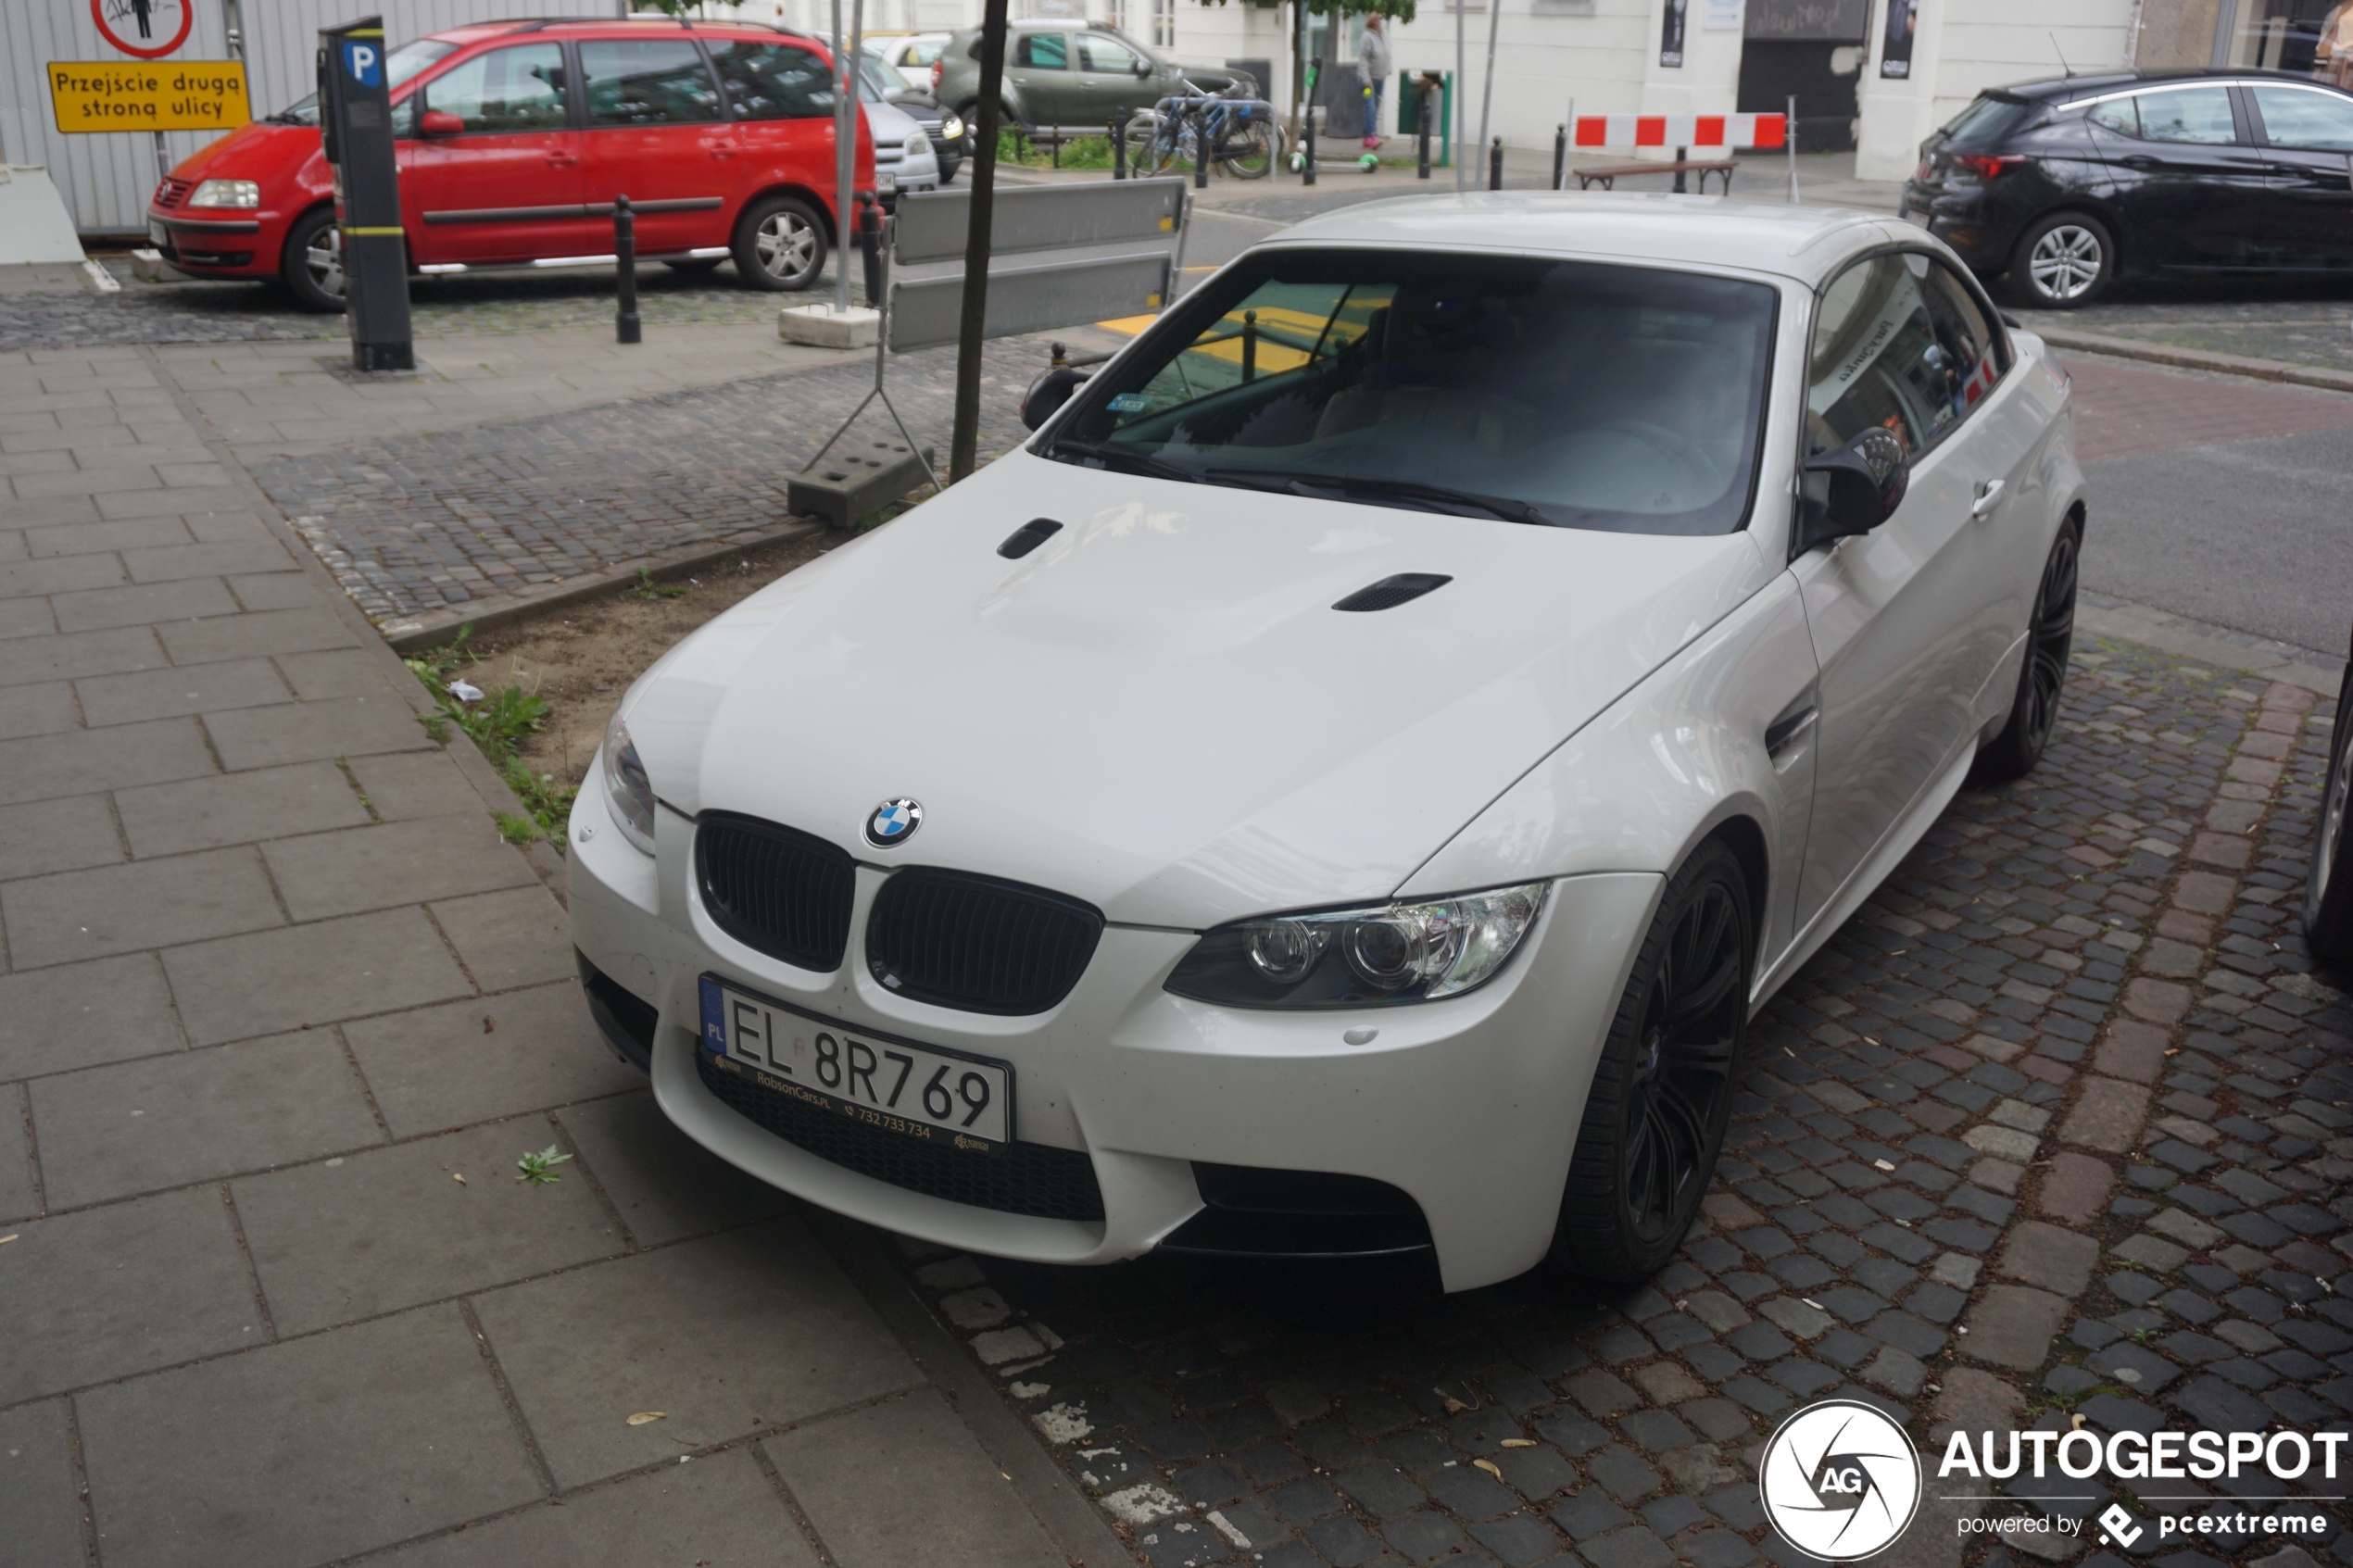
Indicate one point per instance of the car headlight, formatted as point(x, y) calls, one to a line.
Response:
point(226, 192)
point(918, 144)
point(627, 789)
point(1373, 957)
point(951, 128)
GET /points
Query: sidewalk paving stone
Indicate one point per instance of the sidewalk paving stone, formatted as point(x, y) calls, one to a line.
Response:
point(871, 1483)
point(728, 1336)
point(192, 1116)
point(304, 1451)
point(108, 700)
point(305, 731)
point(664, 1186)
point(76, 1015)
point(87, 762)
point(356, 869)
point(226, 809)
point(436, 1067)
point(241, 987)
point(143, 904)
point(124, 1288)
point(518, 938)
point(394, 1228)
point(68, 833)
point(37, 1487)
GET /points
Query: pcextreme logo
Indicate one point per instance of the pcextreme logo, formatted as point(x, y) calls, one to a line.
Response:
point(1839, 1480)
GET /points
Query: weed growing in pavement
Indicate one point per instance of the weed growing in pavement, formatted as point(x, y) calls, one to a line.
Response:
point(547, 798)
point(497, 723)
point(647, 588)
point(540, 1169)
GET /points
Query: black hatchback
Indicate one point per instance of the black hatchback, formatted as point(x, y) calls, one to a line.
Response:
point(2064, 186)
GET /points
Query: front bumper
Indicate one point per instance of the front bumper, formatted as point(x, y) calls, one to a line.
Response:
point(226, 243)
point(1469, 1107)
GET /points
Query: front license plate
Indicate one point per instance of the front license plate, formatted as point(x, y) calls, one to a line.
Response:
point(1918, 220)
point(158, 233)
point(919, 1091)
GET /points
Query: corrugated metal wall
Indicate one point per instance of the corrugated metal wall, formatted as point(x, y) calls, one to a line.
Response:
point(105, 178)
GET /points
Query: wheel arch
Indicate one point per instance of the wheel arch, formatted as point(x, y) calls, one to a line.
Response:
point(796, 189)
point(2078, 205)
point(1744, 836)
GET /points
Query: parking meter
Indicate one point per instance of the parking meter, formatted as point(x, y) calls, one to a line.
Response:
point(355, 116)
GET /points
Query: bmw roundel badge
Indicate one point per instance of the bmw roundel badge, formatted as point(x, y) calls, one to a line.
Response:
point(894, 821)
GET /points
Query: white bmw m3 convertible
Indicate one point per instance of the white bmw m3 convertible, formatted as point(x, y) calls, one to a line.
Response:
point(1342, 787)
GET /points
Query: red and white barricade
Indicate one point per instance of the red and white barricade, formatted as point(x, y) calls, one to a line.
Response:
point(1693, 130)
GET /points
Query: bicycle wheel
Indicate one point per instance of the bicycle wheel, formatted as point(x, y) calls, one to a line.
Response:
point(1150, 149)
point(1255, 153)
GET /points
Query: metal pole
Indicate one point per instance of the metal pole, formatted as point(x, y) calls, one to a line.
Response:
point(1201, 148)
point(1560, 155)
point(1568, 134)
point(1789, 140)
point(1119, 146)
point(845, 147)
point(1421, 131)
point(626, 328)
point(1307, 160)
point(1487, 87)
point(1681, 153)
point(163, 158)
point(964, 442)
point(1454, 91)
point(1495, 165)
point(1249, 345)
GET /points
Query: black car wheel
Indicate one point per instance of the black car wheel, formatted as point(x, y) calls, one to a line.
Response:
point(1662, 1091)
point(311, 264)
point(2050, 638)
point(2328, 888)
point(780, 245)
point(2064, 261)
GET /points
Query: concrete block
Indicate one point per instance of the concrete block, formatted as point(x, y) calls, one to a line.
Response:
point(853, 480)
point(821, 326)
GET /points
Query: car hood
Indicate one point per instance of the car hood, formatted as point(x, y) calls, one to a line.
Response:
point(1158, 710)
point(257, 150)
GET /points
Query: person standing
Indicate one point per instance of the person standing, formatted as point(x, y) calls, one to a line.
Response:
point(1372, 64)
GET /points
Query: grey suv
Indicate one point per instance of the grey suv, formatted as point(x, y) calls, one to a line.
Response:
point(1067, 73)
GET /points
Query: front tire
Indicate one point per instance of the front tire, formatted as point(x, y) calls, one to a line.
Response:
point(2328, 888)
point(1662, 1091)
point(311, 264)
point(780, 245)
point(2050, 638)
point(2063, 262)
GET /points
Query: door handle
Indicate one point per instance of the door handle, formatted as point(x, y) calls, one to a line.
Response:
point(1989, 496)
point(561, 160)
point(2142, 160)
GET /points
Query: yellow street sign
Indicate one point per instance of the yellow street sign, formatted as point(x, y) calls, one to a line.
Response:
point(148, 95)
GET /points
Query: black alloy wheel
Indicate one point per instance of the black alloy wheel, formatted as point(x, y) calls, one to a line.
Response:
point(1662, 1092)
point(2049, 640)
point(2328, 888)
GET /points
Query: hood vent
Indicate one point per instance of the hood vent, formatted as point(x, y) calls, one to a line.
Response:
point(1390, 591)
point(1028, 536)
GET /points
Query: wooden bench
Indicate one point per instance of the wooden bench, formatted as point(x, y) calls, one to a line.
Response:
point(1607, 175)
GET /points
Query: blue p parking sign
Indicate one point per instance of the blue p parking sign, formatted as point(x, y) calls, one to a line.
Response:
point(364, 63)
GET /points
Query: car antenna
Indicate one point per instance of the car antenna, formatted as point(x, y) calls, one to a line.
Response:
point(2064, 69)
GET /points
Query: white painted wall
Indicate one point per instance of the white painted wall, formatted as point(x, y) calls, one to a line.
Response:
point(1965, 46)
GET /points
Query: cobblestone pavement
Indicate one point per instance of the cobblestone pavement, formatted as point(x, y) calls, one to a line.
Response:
point(2054, 1128)
point(2302, 321)
point(424, 524)
point(210, 312)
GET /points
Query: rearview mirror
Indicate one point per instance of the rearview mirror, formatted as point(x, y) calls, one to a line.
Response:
point(1868, 478)
point(441, 122)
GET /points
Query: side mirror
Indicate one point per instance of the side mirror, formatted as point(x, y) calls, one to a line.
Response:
point(440, 122)
point(1048, 394)
point(1868, 478)
point(1143, 70)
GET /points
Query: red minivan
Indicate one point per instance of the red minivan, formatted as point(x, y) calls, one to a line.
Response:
point(514, 139)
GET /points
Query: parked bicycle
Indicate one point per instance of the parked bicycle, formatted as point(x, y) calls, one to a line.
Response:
point(1243, 137)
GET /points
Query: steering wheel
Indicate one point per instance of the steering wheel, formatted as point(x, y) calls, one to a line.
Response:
point(1666, 442)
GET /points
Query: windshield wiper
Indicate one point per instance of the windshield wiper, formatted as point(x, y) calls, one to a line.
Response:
point(1131, 462)
point(1432, 498)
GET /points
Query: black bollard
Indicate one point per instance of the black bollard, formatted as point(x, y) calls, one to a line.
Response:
point(1421, 131)
point(626, 325)
point(870, 247)
point(1307, 153)
point(1681, 153)
point(1560, 159)
point(1249, 345)
point(1200, 148)
point(1495, 166)
point(1119, 145)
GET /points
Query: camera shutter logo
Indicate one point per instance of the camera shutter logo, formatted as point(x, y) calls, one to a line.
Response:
point(1839, 1480)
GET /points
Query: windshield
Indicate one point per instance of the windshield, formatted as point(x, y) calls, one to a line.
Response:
point(400, 67)
point(883, 77)
point(1565, 393)
point(1985, 120)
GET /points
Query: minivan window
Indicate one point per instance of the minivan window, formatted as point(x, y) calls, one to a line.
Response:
point(1987, 119)
point(517, 88)
point(647, 81)
point(1569, 394)
point(775, 82)
point(400, 68)
point(2306, 118)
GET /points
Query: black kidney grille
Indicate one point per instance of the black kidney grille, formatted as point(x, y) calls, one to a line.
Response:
point(977, 944)
point(1019, 1178)
point(772, 888)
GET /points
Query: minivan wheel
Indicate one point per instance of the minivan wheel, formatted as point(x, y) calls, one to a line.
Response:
point(780, 245)
point(2064, 261)
point(1662, 1091)
point(311, 267)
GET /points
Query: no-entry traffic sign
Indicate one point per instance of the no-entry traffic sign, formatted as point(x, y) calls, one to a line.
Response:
point(147, 29)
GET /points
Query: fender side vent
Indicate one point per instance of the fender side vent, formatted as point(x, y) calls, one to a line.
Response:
point(1028, 536)
point(1390, 591)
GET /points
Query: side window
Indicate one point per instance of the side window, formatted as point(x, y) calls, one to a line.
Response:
point(2191, 114)
point(1878, 359)
point(2305, 118)
point(775, 82)
point(1969, 346)
point(1108, 55)
point(2117, 115)
point(519, 88)
point(647, 81)
point(1044, 51)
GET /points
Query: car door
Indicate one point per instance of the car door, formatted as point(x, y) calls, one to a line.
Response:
point(2190, 184)
point(1041, 70)
point(1109, 79)
point(656, 133)
point(503, 185)
point(1898, 615)
point(780, 98)
point(2307, 145)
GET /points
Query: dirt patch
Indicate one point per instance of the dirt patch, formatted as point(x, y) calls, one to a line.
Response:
point(580, 657)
